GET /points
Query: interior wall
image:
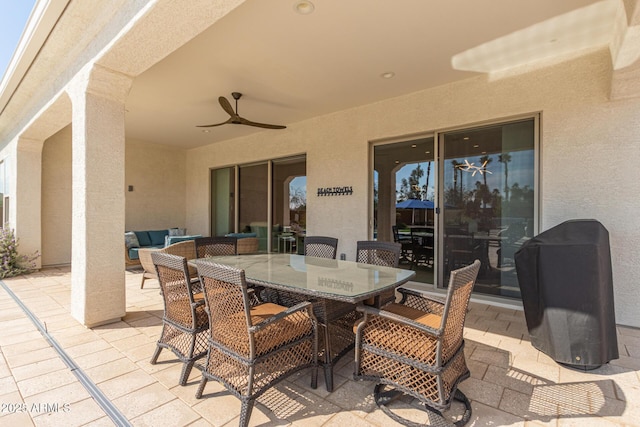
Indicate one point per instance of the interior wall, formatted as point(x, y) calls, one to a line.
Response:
point(156, 172)
point(158, 176)
point(56, 198)
point(589, 146)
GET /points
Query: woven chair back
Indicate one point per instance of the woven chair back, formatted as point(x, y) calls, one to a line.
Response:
point(227, 300)
point(177, 294)
point(321, 246)
point(216, 246)
point(378, 253)
point(461, 284)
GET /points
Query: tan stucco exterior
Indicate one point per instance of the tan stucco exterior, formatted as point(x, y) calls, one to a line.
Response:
point(75, 205)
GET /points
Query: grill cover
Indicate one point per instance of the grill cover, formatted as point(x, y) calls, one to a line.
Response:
point(567, 291)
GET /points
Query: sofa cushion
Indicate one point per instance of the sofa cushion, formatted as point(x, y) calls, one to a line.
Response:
point(170, 240)
point(143, 238)
point(133, 252)
point(157, 236)
point(130, 240)
point(240, 235)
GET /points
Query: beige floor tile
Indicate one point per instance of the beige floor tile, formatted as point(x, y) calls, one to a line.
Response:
point(141, 353)
point(87, 348)
point(352, 397)
point(347, 418)
point(25, 347)
point(175, 413)
point(218, 408)
point(7, 386)
point(15, 419)
point(482, 391)
point(48, 381)
point(126, 384)
point(111, 369)
point(483, 415)
point(143, 400)
point(21, 359)
point(76, 414)
point(66, 394)
point(27, 334)
point(134, 341)
point(38, 368)
point(98, 358)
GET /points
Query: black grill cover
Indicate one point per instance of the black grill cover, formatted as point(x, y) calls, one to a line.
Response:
point(567, 291)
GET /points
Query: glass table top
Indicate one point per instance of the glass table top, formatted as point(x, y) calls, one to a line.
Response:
point(333, 279)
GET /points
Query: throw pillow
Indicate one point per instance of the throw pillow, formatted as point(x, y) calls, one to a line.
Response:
point(131, 240)
point(177, 231)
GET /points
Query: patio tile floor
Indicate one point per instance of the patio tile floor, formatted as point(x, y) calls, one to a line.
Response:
point(511, 384)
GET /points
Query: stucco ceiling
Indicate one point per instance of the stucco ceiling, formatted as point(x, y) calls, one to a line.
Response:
point(292, 67)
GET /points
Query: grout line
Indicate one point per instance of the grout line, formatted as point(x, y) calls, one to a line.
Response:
point(107, 406)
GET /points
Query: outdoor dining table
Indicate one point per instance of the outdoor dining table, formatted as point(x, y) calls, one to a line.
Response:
point(334, 286)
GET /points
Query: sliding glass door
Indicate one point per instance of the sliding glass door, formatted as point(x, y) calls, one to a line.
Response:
point(488, 201)
point(265, 200)
point(472, 195)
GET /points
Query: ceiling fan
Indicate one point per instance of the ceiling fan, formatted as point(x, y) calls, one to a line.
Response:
point(235, 118)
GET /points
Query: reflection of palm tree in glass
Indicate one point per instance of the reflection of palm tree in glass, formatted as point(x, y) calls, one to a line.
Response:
point(426, 186)
point(456, 167)
point(484, 161)
point(505, 158)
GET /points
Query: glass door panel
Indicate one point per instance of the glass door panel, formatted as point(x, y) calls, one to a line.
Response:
point(289, 206)
point(488, 194)
point(404, 195)
point(253, 200)
point(222, 201)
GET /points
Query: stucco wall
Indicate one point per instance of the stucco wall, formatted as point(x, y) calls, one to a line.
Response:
point(156, 172)
point(158, 176)
point(56, 198)
point(589, 149)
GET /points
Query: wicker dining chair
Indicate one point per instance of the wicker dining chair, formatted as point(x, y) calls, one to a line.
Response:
point(185, 249)
point(405, 241)
point(253, 345)
point(379, 253)
point(185, 322)
point(321, 246)
point(216, 246)
point(416, 346)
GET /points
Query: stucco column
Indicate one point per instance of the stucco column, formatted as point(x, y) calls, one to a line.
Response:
point(98, 207)
point(28, 196)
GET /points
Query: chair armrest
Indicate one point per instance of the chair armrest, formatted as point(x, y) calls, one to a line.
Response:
point(372, 311)
point(416, 299)
point(146, 261)
point(303, 306)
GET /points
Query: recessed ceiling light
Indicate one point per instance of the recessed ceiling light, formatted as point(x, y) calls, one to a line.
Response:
point(304, 7)
point(388, 75)
point(427, 152)
point(475, 146)
point(413, 145)
point(206, 131)
point(466, 138)
point(397, 162)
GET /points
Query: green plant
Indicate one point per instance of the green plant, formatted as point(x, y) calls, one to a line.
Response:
point(13, 263)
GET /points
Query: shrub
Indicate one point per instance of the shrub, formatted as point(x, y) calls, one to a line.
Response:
point(12, 263)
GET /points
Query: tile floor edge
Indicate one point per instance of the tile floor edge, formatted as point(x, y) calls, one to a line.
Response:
point(105, 404)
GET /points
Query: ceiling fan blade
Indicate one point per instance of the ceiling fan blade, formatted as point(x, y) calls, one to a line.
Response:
point(244, 121)
point(217, 124)
point(226, 106)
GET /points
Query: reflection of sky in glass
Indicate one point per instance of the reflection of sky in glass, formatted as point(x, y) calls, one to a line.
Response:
point(520, 171)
